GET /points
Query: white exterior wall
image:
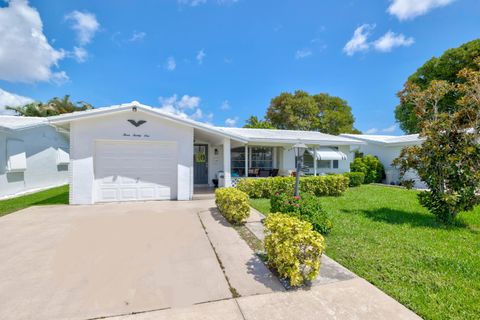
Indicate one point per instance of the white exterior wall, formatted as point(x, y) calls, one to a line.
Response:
point(215, 162)
point(85, 132)
point(386, 154)
point(42, 171)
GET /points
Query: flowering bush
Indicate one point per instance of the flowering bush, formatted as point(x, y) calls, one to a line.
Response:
point(233, 204)
point(293, 249)
point(306, 207)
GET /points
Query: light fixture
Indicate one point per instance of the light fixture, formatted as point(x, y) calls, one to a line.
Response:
point(299, 149)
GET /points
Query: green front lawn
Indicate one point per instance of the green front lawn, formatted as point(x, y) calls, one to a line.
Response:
point(51, 196)
point(384, 235)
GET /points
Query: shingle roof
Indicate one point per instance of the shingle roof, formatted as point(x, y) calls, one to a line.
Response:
point(387, 140)
point(17, 122)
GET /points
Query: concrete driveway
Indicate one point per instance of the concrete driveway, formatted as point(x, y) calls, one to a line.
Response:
point(81, 262)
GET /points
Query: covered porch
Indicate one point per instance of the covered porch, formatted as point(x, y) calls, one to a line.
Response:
point(221, 161)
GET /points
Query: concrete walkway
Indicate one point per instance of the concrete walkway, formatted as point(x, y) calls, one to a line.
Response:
point(350, 299)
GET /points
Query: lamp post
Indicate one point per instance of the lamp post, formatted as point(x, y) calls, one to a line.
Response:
point(299, 151)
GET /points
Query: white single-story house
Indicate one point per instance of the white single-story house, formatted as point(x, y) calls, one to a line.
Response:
point(136, 152)
point(386, 149)
point(34, 155)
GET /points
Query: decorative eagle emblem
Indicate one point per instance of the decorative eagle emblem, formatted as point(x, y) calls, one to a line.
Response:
point(137, 123)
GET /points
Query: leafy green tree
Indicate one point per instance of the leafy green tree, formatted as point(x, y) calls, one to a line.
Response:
point(296, 111)
point(449, 158)
point(53, 107)
point(254, 122)
point(370, 166)
point(446, 67)
point(302, 111)
point(334, 115)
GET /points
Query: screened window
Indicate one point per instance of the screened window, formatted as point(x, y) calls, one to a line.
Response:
point(323, 164)
point(259, 158)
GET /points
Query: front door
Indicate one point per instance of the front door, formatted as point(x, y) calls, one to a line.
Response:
point(200, 164)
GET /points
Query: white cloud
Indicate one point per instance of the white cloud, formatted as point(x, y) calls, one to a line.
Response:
point(26, 55)
point(187, 107)
point(371, 131)
point(225, 105)
point(390, 129)
point(359, 41)
point(303, 53)
point(231, 122)
point(85, 25)
point(137, 36)
point(391, 40)
point(200, 56)
point(385, 43)
point(188, 102)
point(409, 9)
point(171, 64)
point(80, 54)
point(12, 100)
point(192, 3)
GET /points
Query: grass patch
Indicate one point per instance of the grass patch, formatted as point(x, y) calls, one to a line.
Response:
point(253, 242)
point(385, 236)
point(47, 197)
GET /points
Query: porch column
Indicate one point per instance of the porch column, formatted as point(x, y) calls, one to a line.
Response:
point(314, 161)
point(227, 162)
point(246, 160)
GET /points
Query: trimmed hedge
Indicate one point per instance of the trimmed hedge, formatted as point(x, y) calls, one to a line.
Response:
point(330, 185)
point(306, 207)
point(356, 178)
point(233, 204)
point(293, 249)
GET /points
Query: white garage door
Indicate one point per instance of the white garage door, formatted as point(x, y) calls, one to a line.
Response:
point(128, 171)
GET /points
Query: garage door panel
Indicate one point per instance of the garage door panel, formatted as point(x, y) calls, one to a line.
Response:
point(126, 171)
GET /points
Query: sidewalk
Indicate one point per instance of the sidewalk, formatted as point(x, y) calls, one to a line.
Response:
point(336, 294)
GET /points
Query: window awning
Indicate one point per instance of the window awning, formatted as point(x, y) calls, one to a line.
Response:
point(327, 153)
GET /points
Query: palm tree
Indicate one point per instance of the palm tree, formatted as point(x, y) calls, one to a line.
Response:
point(53, 107)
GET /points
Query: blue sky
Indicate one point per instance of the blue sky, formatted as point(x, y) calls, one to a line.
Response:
point(221, 61)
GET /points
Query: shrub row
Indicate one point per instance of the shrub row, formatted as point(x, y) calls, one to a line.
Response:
point(233, 204)
point(330, 185)
point(306, 207)
point(293, 249)
point(355, 178)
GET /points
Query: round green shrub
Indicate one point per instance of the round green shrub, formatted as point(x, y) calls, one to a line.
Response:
point(355, 178)
point(370, 166)
point(306, 207)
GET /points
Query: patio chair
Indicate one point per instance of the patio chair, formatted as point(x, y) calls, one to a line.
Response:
point(263, 173)
point(274, 172)
point(253, 172)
